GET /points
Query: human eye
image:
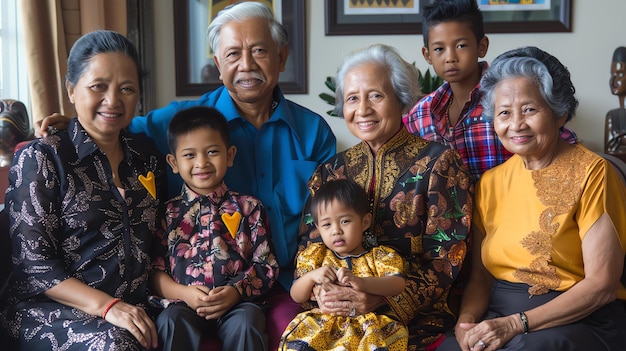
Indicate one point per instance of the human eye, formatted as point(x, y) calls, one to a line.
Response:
point(98, 87)
point(232, 55)
point(213, 152)
point(128, 89)
point(259, 52)
point(188, 155)
point(351, 99)
point(528, 110)
point(376, 96)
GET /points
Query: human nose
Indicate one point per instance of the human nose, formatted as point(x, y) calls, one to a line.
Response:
point(451, 56)
point(363, 107)
point(247, 62)
point(337, 230)
point(111, 97)
point(518, 121)
point(201, 161)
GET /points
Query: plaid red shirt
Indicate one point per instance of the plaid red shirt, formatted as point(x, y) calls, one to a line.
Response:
point(473, 136)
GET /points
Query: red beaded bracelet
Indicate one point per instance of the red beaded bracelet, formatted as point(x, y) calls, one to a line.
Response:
point(106, 309)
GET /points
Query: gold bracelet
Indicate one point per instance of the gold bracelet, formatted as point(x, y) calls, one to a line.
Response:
point(524, 319)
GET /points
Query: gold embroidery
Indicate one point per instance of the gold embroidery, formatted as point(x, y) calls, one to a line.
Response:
point(558, 188)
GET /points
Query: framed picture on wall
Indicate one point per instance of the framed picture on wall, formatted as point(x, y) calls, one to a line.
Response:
point(371, 17)
point(196, 72)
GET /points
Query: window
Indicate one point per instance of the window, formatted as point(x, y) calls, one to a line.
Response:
point(13, 79)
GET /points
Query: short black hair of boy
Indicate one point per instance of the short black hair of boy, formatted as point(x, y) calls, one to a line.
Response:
point(453, 11)
point(193, 118)
point(346, 191)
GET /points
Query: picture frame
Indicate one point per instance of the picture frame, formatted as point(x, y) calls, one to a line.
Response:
point(364, 17)
point(196, 73)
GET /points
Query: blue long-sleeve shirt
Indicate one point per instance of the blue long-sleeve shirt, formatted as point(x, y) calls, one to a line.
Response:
point(272, 163)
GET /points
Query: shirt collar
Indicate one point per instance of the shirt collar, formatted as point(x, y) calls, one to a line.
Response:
point(85, 145)
point(189, 196)
point(281, 112)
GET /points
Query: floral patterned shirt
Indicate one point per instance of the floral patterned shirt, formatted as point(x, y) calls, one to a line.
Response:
point(219, 239)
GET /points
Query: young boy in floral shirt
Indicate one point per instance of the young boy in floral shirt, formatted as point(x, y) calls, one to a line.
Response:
point(220, 263)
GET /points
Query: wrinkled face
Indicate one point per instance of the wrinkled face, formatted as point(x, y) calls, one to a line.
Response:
point(525, 123)
point(371, 108)
point(453, 51)
point(106, 94)
point(342, 228)
point(249, 60)
point(618, 78)
point(202, 159)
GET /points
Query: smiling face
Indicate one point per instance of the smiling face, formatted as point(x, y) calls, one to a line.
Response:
point(105, 96)
point(453, 51)
point(202, 159)
point(525, 123)
point(249, 60)
point(371, 108)
point(342, 228)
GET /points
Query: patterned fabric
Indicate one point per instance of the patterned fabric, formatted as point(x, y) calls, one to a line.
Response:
point(68, 219)
point(472, 136)
point(372, 331)
point(421, 197)
point(202, 250)
point(273, 162)
point(534, 221)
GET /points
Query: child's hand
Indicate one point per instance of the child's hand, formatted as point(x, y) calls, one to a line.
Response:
point(345, 277)
point(219, 301)
point(324, 274)
point(193, 296)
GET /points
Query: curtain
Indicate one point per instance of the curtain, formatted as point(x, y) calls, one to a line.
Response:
point(50, 29)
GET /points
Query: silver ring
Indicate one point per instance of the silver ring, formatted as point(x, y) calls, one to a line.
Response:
point(352, 311)
point(481, 343)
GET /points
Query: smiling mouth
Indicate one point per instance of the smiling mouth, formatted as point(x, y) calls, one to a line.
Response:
point(110, 115)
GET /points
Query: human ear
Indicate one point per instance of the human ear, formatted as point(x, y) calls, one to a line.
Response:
point(232, 151)
point(70, 91)
point(483, 46)
point(366, 221)
point(426, 55)
point(171, 160)
point(283, 54)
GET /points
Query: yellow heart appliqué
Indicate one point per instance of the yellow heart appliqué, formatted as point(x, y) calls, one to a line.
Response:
point(232, 222)
point(148, 183)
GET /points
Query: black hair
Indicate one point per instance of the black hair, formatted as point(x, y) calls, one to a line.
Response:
point(345, 191)
point(466, 11)
point(94, 43)
point(194, 118)
point(619, 55)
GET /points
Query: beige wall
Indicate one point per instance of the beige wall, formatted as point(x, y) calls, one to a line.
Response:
point(598, 28)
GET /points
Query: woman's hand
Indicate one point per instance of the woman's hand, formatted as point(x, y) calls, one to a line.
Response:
point(55, 121)
point(136, 321)
point(345, 301)
point(490, 334)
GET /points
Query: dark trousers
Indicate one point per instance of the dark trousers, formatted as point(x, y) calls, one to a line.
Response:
point(240, 329)
point(602, 330)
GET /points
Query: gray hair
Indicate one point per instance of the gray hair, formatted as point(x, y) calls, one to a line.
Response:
point(241, 12)
point(403, 75)
point(549, 74)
